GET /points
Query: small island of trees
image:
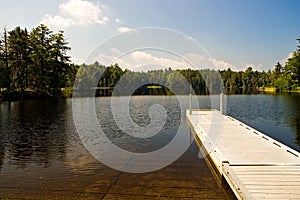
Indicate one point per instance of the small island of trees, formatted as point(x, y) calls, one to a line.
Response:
point(36, 63)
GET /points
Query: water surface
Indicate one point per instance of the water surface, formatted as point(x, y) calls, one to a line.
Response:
point(41, 155)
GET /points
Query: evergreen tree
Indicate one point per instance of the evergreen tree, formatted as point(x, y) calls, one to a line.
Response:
point(59, 61)
point(18, 57)
point(40, 40)
point(4, 68)
point(292, 70)
point(37, 60)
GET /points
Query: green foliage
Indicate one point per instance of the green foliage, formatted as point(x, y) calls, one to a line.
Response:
point(281, 84)
point(38, 61)
point(4, 69)
point(175, 82)
point(87, 74)
point(202, 81)
point(18, 58)
point(278, 71)
point(35, 61)
point(288, 77)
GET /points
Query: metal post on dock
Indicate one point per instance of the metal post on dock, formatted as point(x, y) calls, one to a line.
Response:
point(221, 104)
point(190, 103)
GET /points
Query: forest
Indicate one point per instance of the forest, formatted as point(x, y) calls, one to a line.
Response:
point(36, 63)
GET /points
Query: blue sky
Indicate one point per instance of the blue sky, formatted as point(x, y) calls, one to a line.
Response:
point(236, 33)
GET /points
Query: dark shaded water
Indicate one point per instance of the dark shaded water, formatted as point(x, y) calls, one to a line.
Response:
point(41, 155)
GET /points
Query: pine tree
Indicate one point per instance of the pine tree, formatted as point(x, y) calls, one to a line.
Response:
point(18, 57)
point(59, 61)
point(40, 40)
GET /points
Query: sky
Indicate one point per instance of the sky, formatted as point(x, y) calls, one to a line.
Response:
point(230, 33)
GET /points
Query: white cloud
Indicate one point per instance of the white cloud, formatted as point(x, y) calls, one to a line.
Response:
point(106, 60)
point(284, 60)
point(203, 61)
point(193, 61)
point(115, 51)
point(137, 59)
point(124, 29)
point(78, 12)
point(110, 57)
point(118, 21)
point(77, 60)
point(104, 20)
point(188, 38)
point(142, 58)
point(56, 21)
point(255, 67)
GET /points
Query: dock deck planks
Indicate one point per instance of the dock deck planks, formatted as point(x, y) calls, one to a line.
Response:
point(254, 165)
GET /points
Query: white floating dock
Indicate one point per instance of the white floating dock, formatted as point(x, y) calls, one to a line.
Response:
point(254, 165)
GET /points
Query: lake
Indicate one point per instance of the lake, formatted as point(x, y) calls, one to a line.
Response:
point(41, 155)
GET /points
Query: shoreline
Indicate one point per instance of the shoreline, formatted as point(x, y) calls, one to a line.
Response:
point(27, 95)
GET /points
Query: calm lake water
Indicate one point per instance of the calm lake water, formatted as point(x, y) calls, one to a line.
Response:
point(41, 155)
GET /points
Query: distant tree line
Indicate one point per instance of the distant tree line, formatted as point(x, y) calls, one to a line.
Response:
point(39, 61)
point(205, 81)
point(282, 78)
point(113, 80)
point(35, 61)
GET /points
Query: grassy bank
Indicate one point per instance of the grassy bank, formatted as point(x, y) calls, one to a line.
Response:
point(267, 89)
point(274, 90)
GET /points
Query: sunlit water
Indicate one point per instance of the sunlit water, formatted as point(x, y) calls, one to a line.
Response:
point(39, 142)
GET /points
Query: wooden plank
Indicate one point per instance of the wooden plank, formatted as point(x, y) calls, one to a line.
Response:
point(236, 185)
point(279, 196)
point(278, 168)
point(269, 178)
point(289, 188)
point(281, 177)
point(268, 182)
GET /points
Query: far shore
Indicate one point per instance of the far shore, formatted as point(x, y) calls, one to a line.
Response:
point(274, 90)
point(67, 93)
